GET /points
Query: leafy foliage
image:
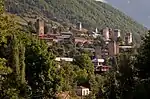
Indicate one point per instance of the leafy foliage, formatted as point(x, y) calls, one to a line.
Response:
point(120, 83)
point(26, 66)
point(142, 66)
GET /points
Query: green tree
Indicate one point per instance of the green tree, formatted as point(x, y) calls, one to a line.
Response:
point(84, 62)
point(6, 91)
point(67, 76)
point(4, 70)
point(121, 80)
point(15, 57)
point(40, 69)
point(28, 57)
point(143, 68)
point(143, 58)
point(82, 76)
point(22, 63)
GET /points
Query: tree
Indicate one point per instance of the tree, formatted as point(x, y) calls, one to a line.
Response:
point(126, 76)
point(67, 75)
point(5, 90)
point(143, 58)
point(121, 80)
point(22, 63)
point(33, 69)
point(15, 57)
point(82, 76)
point(40, 69)
point(84, 62)
point(143, 68)
point(4, 70)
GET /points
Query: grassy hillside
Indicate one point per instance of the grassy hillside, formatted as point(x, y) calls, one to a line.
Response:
point(91, 13)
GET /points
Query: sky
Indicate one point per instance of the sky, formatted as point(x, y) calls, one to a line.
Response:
point(139, 10)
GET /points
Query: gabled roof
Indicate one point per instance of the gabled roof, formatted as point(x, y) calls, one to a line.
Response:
point(123, 47)
point(81, 87)
point(67, 33)
point(64, 59)
point(98, 60)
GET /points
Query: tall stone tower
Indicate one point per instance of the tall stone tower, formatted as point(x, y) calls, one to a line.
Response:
point(128, 38)
point(40, 27)
point(113, 48)
point(111, 34)
point(106, 33)
point(116, 34)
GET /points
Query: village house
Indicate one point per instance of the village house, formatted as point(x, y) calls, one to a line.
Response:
point(98, 65)
point(82, 91)
point(102, 69)
point(58, 59)
point(98, 62)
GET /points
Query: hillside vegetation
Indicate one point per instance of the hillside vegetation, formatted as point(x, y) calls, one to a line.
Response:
point(91, 13)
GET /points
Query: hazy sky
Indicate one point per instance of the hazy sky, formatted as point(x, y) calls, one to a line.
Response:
point(138, 9)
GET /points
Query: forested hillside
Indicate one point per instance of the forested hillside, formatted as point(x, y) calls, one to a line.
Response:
point(91, 13)
point(28, 69)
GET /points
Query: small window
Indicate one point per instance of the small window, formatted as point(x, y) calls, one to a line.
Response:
point(87, 92)
point(84, 92)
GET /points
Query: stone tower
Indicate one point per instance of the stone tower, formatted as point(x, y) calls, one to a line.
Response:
point(40, 27)
point(106, 33)
point(116, 34)
point(111, 34)
point(128, 38)
point(113, 48)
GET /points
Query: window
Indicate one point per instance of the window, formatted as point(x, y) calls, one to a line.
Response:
point(84, 92)
point(87, 92)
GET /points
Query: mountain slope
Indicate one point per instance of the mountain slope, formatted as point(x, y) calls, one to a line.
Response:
point(91, 13)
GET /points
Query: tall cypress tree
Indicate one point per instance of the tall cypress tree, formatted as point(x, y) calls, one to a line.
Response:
point(15, 57)
point(22, 63)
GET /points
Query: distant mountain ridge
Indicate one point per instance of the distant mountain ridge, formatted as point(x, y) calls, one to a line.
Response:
point(90, 12)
